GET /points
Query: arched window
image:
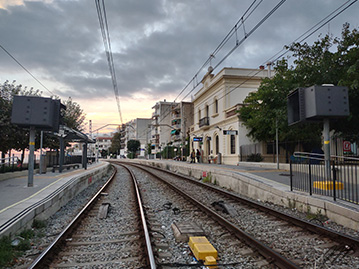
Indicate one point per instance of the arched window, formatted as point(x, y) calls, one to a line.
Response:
point(233, 144)
point(216, 106)
point(217, 145)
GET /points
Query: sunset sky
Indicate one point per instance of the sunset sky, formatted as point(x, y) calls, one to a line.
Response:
point(158, 46)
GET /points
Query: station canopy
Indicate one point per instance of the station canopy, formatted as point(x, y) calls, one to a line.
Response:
point(72, 135)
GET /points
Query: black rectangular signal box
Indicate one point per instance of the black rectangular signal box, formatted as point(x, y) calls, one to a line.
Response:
point(316, 103)
point(40, 112)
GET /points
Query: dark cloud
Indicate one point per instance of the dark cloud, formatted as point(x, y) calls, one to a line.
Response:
point(158, 45)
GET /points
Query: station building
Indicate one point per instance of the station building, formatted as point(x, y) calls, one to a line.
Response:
point(218, 131)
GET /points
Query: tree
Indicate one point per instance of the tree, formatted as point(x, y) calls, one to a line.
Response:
point(133, 146)
point(266, 109)
point(73, 115)
point(313, 65)
point(12, 136)
point(116, 143)
point(15, 137)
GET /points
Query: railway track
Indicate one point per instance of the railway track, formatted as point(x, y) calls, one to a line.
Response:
point(245, 234)
point(285, 241)
point(110, 232)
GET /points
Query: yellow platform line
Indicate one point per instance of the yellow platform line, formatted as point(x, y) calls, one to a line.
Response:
point(10, 206)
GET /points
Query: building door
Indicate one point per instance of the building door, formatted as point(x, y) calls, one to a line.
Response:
point(208, 147)
point(216, 146)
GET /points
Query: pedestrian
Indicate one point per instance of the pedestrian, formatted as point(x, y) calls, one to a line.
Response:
point(193, 157)
point(198, 155)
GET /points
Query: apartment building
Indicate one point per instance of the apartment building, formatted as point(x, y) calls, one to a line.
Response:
point(218, 131)
point(181, 121)
point(161, 125)
point(138, 129)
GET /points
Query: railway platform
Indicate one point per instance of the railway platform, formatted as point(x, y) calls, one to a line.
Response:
point(20, 205)
point(265, 183)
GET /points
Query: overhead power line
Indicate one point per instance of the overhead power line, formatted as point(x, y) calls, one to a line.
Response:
point(102, 17)
point(240, 42)
point(302, 38)
point(231, 33)
point(23, 67)
point(313, 29)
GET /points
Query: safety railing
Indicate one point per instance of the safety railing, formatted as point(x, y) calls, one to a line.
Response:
point(10, 164)
point(309, 173)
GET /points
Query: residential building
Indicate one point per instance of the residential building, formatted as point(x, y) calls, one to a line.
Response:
point(161, 125)
point(218, 131)
point(103, 142)
point(139, 129)
point(181, 120)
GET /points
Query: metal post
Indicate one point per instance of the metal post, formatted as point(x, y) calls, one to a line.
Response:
point(85, 156)
point(30, 181)
point(291, 175)
point(310, 179)
point(276, 141)
point(41, 139)
point(334, 181)
point(62, 153)
point(326, 148)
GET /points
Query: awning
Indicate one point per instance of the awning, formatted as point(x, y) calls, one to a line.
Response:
point(73, 136)
point(173, 131)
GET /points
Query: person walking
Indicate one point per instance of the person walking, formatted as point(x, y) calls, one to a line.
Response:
point(193, 156)
point(198, 155)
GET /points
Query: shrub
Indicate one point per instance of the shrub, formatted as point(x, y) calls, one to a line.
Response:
point(255, 157)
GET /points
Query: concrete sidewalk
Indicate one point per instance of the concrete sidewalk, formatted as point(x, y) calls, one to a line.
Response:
point(19, 204)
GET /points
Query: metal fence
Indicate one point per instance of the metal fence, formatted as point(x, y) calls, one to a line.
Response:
point(339, 180)
point(10, 164)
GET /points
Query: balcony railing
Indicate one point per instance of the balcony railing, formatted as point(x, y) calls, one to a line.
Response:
point(204, 122)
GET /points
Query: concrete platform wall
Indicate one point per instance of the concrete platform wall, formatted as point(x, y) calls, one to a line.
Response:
point(258, 188)
point(46, 208)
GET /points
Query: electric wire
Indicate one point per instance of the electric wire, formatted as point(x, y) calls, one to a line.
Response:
point(231, 33)
point(274, 58)
point(302, 37)
point(23, 67)
point(233, 30)
point(307, 36)
point(241, 41)
point(102, 16)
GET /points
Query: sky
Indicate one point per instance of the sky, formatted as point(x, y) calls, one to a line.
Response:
point(158, 46)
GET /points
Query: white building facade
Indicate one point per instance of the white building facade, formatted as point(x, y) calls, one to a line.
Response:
point(181, 121)
point(161, 125)
point(218, 131)
point(139, 129)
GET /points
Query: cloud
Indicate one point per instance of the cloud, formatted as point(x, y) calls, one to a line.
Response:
point(158, 45)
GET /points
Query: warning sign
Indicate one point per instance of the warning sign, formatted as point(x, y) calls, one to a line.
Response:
point(347, 146)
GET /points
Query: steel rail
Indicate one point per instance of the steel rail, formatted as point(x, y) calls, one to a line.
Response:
point(150, 256)
point(268, 253)
point(45, 257)
point(336, 236)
